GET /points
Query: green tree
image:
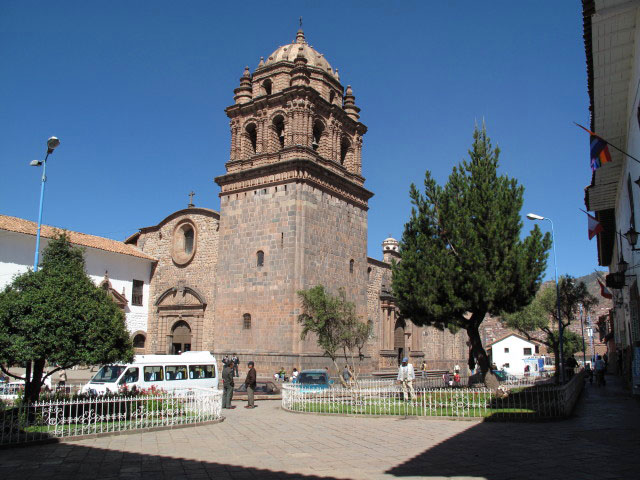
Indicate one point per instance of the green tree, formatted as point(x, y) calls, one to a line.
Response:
point(57, 316)
point(541, 315)
point(461, 252)
point(335, 324)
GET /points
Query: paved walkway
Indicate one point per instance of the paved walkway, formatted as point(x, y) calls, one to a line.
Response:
point(600, 442)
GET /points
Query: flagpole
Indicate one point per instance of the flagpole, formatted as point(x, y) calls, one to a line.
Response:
point(607, 142)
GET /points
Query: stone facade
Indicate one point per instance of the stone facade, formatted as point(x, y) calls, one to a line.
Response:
point(182, 292)
point(293, 215)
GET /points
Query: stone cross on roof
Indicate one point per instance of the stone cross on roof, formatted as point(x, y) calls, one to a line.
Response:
point(191, 194)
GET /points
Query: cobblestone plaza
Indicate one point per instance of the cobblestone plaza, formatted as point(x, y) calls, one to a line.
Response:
point(599, 441)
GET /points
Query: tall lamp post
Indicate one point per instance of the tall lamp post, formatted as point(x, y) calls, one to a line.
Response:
point(52, 143)
point(533, 216)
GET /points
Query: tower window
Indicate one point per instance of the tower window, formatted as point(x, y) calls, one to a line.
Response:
point(266, 87)
point(318, 128)
point(332, 96)
point(278, 125)
point(246, 321)
point(253, 136)
point(369, 273)
point(344, 148)
point(260, 258)
point(351, 262)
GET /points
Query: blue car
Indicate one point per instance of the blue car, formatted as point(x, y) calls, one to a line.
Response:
point(314, 380)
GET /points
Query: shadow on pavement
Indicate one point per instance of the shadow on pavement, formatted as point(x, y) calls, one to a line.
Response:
point(79, 462)
point(600, 440)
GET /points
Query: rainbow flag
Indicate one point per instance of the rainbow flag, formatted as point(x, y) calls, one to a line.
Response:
point(599, 152)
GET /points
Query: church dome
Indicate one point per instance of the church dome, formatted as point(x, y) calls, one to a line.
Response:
point(288, 53)
point(390, 244)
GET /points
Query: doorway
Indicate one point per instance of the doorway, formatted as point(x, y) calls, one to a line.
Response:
point(181, 333)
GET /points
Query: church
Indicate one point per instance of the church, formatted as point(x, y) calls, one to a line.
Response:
point(293, 215)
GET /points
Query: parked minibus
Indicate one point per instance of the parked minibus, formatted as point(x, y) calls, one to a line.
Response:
point(166, 372)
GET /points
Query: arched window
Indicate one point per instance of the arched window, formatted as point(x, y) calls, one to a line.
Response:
point(139, 340)
point(369, 273)
point(344, 149)
point(260, 258)
point(246, 321)
point(266, 87)
point(253, 136)
point(351, 262)
point(318, 128)
point(332, 96)
point(188, 240)
point(278, 125)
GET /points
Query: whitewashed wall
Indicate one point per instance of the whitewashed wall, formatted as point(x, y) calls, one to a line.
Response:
point(623, 209)
point(515, 356)
point(16, 257)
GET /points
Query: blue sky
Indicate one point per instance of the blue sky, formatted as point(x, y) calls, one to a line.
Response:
point(136, 92)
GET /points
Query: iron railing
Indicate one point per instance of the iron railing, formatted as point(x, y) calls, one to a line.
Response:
point(373, 397)
point(23, 423)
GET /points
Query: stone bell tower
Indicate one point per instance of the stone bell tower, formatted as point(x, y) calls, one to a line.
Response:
point(293, 207)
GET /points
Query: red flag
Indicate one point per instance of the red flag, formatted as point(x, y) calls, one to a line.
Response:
point(604, 291)
point(594, 227)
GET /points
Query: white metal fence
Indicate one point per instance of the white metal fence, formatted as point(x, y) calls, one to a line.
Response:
point(22, 423)
point(464, 381)
point(374, 398)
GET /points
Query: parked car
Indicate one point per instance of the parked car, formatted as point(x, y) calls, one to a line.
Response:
point(314, 380)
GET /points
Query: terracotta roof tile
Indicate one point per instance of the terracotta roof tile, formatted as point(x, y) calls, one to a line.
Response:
point(20, 225)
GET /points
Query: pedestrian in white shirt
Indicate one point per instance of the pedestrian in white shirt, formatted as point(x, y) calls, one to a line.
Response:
point(406, 376)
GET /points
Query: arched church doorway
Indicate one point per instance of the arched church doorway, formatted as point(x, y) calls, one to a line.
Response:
point(181, 333)
point(398, 339)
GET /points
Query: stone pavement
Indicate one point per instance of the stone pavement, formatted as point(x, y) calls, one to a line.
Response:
point(601, 441)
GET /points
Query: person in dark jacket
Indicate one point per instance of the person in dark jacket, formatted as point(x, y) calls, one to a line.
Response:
point(227, 379)
point(250, 382)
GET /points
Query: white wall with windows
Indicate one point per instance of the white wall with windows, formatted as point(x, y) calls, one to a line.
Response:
point(509, 354)
point(16, 257)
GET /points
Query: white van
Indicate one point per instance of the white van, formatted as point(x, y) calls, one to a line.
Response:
point(166, 372)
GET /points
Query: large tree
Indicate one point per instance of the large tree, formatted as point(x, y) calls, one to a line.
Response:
point(462, 255)
point(539, 319)
point(58, 317)
point(335, 324)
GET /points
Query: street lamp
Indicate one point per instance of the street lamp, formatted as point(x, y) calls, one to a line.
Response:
point(533, 216)
point(52, 144)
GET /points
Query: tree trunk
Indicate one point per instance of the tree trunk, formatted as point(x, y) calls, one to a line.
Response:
point(477, 350)
point(33, 380)
point(27, 381)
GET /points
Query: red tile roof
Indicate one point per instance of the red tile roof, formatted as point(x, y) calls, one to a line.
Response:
point(20, 225)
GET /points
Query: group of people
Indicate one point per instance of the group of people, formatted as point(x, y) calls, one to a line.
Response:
point(235, 362)
point(282, 376)
point(599, 369)
point(228, 373)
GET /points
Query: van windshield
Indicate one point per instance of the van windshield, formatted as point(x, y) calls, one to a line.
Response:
point(108, 373)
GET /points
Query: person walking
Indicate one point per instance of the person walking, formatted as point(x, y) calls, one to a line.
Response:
point(346, 375)
point(570, 365)
point(227, 379)
point(236, 362)
point(406, 376)
point(250, 383)
point(600, 369)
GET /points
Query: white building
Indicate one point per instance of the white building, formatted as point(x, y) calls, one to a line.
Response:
point(508, 353)
point(120, 268)
point(612, 45)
